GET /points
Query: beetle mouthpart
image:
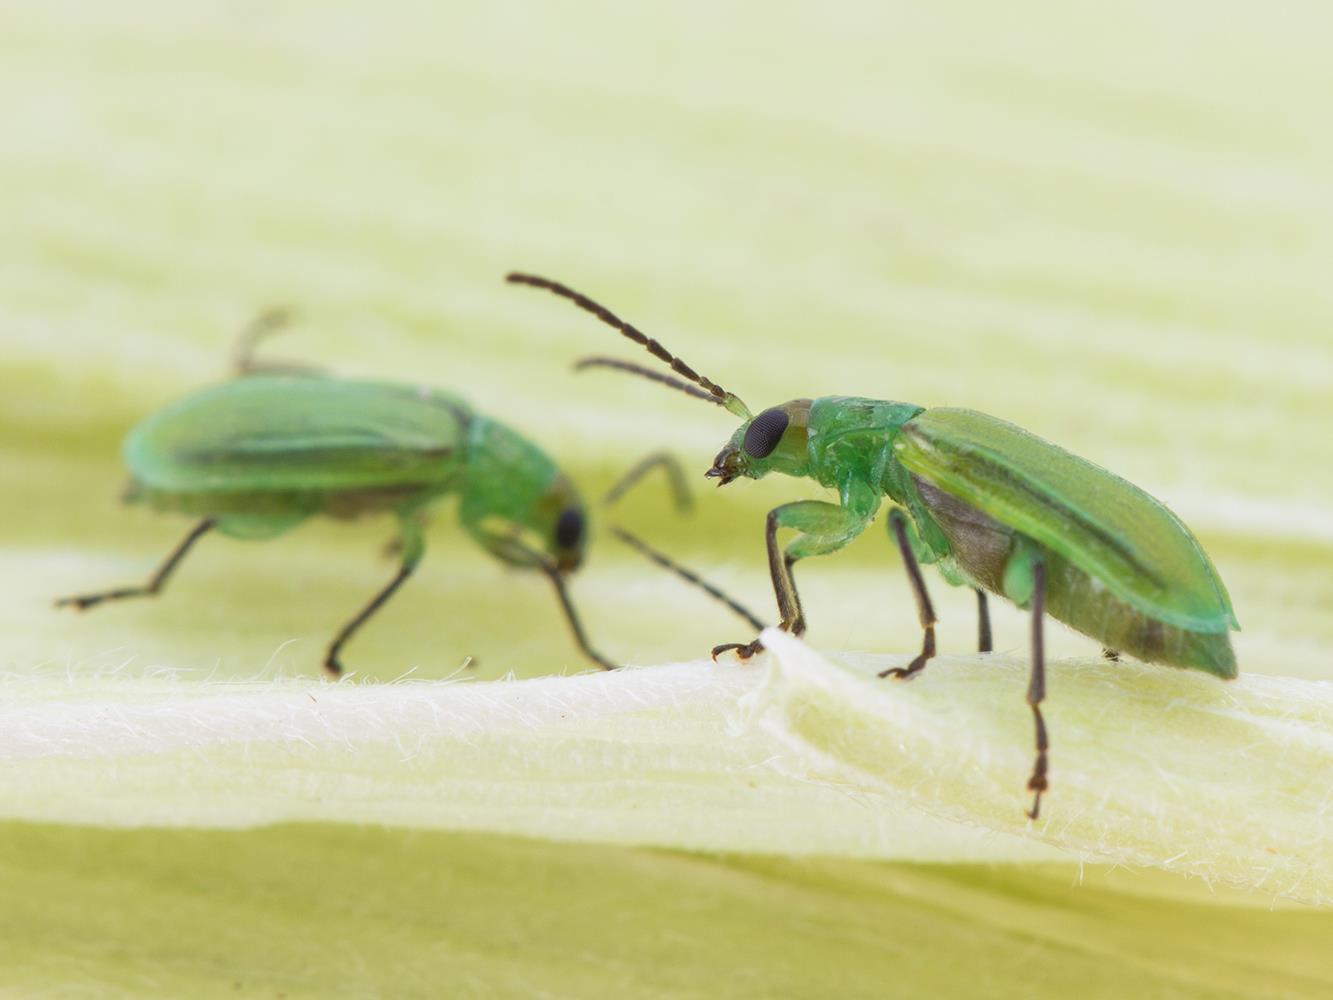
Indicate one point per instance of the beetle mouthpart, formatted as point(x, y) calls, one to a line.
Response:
point(721, 474)
point(726, 467)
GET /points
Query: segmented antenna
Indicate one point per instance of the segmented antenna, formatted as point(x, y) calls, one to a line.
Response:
point(643, 548)
point(728, 399)
point(648, 373)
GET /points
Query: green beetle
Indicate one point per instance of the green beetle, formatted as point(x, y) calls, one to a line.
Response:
point(255, 456)
point(990, 505)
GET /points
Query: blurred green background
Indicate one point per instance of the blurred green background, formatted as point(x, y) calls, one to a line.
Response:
point(1110, 226)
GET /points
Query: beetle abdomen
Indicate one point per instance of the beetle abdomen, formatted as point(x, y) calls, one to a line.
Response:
point(288, 435)
point(1084, 603)
point(282, 503)
point(1109, 527)
point(981, 547)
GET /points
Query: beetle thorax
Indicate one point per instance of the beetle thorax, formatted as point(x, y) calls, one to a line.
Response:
point(505, 474)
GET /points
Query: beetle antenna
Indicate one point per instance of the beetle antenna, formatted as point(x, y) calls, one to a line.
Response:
point(648, 373)
point(666, 562)
point(572, 616)
point(728, 399)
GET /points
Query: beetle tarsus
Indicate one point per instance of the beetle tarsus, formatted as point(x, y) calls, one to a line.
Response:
point(82, 602)
point(1037, 785)
point(743, 650)
point(1037, 688)
point(797, 624)
point(918, 664)
point(332, 664)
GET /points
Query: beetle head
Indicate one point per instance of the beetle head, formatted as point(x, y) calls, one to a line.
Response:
point(773, 441)
point(571, 529)
point(564, 523)
point(550, 534)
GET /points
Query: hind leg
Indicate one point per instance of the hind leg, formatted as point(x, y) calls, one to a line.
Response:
point(155, 583)
point(1037, 687)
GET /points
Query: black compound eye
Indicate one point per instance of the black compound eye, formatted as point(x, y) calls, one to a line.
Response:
point(569, 528)
point(764, 432)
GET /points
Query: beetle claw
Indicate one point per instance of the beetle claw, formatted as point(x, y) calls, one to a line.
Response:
point(907, 672)
point(1035, 811)
point(82, 603)
point(743, 650)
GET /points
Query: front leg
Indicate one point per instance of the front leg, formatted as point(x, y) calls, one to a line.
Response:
point(824, 528)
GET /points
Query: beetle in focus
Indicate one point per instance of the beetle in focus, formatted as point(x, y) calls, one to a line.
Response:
point(990, 505)
point(256, 456)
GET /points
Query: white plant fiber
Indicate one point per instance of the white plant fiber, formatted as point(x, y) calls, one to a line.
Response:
point(792, 754)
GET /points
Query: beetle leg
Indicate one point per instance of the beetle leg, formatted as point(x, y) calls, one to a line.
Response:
point(680, 491)
point(924, 609)
point(779, 570)
point(331, 662)
point(153, 586)
point(263, 326)
point(393, 548)
point(409, 526)
point(784, 585)
point(787, 563)
point(572, 617)
point(1037, 687)
point(983, 623)
point(824, 527)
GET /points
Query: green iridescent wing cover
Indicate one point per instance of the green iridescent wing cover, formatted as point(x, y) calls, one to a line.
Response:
point(274, 432)
point(1106, 526)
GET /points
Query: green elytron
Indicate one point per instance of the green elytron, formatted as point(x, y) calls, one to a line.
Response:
point(254, 457)
point(990, 505)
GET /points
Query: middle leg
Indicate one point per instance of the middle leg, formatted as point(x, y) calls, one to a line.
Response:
point(984, 644)
point(410, 548)
point(924, 609)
